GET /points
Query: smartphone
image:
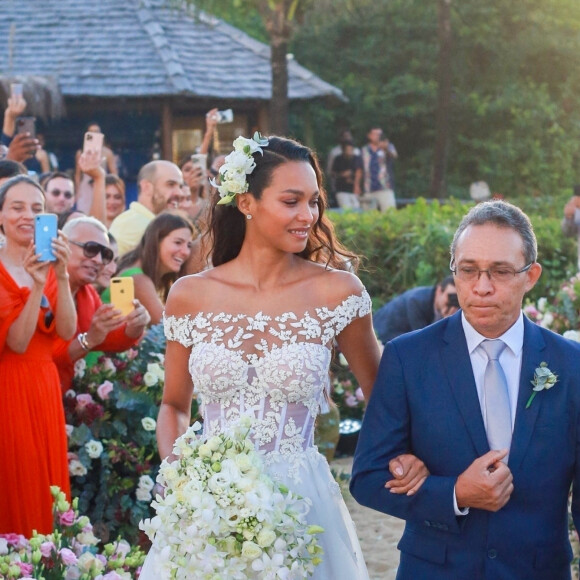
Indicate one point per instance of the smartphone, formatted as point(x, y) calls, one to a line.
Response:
point(199, 159)
point(45, 230)
point(93, 142)
point(26, 125)
point(226, 116)
point(16, 89)
point(123, 294)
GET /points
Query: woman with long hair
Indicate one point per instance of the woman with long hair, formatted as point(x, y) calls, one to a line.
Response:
point(253, 335)
point(36, 307)
point(157, 262)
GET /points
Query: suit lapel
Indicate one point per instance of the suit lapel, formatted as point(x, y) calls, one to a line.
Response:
point(459, 372)
point(532, 356)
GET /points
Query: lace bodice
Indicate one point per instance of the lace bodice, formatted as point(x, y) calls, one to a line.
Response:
point(272, 368)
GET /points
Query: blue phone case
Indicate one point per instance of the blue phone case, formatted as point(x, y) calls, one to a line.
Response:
point(45, 230)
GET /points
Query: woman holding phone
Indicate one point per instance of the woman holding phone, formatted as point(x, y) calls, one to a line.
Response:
point(36, 307)
point(157, 261)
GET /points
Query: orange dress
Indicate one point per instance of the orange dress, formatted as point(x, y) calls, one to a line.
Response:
point(33, 443)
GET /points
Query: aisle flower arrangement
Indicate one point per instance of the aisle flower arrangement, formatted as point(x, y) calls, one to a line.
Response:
point(562, 315)
point(69, 552)
point(111, 417)
point(222, 516)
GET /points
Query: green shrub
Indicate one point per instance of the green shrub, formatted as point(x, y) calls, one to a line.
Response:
point(410, 246)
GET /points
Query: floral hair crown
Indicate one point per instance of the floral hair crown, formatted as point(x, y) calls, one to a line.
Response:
point(237, 165)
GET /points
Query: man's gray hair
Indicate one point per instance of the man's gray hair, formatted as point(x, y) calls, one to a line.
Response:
point(503, 215)
point(72, 225)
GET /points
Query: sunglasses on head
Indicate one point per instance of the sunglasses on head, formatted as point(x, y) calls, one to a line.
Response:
point(91, 249)
point(58, 193)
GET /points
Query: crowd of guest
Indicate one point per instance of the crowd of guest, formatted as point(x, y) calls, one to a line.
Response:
point(362, 178)
point(58, 311)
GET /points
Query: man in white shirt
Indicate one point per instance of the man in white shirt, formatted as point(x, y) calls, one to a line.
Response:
point(460, 396)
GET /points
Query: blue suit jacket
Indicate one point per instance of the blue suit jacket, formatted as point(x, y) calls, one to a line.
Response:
point(425, 402)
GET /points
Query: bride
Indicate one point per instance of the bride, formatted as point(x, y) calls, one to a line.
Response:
point(254, 334)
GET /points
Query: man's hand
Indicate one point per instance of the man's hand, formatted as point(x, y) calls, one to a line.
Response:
point(486, 484)
point(137, 320)
point(106, 319)
point(22, 147)
point(409, 473)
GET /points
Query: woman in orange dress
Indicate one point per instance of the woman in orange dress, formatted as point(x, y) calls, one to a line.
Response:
point(35, 306)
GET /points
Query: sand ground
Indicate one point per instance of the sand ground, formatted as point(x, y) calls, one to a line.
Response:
point(378, 533)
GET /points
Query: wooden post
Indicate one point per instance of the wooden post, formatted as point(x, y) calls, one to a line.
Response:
point(166, 131)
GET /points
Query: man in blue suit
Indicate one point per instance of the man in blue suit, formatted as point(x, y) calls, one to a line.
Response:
point(485, 510)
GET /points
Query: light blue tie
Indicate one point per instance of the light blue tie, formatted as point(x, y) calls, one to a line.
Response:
point(497, 403)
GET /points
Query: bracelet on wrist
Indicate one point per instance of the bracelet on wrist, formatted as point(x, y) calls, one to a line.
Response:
point(82, 338)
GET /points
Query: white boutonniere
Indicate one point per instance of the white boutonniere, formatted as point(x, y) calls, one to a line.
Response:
point(544, 378)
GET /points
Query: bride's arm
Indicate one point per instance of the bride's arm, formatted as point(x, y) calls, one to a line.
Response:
point(175, 411)
point(359, 345)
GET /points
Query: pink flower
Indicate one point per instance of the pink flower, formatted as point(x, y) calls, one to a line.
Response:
point(351, 401)
point(67, 519)
point(108, 365)
point(26, 569)
point(359, 394)
point(112, 576)
point(18, 541)
point(104, 390)
point(132, 353)
point(67, 556)
point(46, 549)
point(84, 400)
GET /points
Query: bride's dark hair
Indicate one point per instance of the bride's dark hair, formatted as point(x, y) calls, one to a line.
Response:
point(227, 224)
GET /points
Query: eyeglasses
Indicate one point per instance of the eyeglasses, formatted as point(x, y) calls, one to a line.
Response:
point(498, 274)
point(58, 193)
point(91, 249)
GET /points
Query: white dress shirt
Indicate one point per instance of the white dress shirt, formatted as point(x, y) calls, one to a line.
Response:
point(510, 360)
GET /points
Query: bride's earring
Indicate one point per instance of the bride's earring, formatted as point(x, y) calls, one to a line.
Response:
point(249, 216)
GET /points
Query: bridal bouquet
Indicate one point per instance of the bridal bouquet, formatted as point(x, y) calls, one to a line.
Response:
point(222, 516)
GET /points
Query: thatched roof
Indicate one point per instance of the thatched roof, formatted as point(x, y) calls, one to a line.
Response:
point(140, 48)
point(42, 95)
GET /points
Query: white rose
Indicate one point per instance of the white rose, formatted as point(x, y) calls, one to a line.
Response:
point(94, 448)
point(80, 367)
point(145, 482)
point(572, 335)
point(156, 369)
point(251, 551)
point(143, 494)
point(148, 423)
point(547, 320)
point(150, 379)
point(266, 537)
point(76, 468)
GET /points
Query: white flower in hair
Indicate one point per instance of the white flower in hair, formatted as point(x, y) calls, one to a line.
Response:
point(237, 165)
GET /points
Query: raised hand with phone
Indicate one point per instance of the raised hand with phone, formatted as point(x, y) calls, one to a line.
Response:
point(22, 143)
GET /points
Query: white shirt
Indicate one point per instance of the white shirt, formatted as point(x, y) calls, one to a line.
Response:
point(510, 361)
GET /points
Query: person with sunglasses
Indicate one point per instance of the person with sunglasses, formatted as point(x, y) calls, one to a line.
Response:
point(61, 196)
point(100, 326)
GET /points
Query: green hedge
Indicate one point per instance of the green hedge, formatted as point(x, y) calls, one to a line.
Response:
point(410, 246)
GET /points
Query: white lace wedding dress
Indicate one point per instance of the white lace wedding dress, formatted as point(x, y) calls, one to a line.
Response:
point(276, 370)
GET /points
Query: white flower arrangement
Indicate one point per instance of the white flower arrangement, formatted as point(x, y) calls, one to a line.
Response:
point(239, 163)
point(222, 516)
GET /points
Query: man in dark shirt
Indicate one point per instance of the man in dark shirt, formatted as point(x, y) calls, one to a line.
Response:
point(415, 308)
point(347, 171)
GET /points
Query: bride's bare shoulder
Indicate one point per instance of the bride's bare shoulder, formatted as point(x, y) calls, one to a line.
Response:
point(333, 286)
point(195, 293)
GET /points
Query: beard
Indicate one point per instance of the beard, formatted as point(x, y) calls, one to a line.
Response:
point(158, 202)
